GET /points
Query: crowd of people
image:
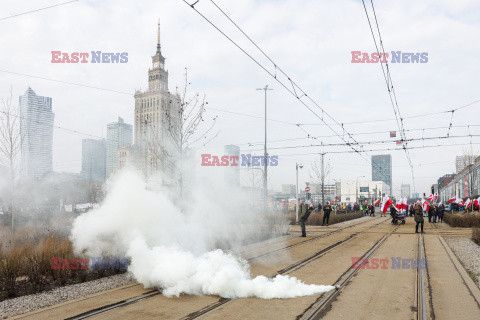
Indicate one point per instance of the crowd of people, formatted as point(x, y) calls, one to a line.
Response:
point(434, 212)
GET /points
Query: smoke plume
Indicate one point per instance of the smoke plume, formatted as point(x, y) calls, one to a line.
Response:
point(175, 250)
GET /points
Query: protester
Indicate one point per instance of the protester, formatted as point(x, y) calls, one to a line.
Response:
point(440, 212)
point(393, 213)
point(319, 209)
point(418, 212)
point(411, 210)
point(302, 216)
point(434, 213)
point(431, 210)
point(326, 213)
point(372, 210)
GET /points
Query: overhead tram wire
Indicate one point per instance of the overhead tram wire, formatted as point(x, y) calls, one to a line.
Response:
point(374, 142)
point(292, 91)
point(390, 87)
point(386, 149)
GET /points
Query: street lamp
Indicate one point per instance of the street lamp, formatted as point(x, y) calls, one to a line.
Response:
point(298, 165)
point(356, 189)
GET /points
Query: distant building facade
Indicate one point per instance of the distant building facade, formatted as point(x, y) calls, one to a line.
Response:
point(94, 159)
point(382, 168)
point(405, 191)
point(361, 191)
point(36, 132)
point(119, 134)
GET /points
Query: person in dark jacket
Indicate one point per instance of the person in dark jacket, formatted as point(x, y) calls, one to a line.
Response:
point(326, 213)
point(319, 209)
point(434, 213)
point(302, 217)
point(411, 210)
point(440, 212)
point(393, 213)
point(418, 213)
point(431, 210)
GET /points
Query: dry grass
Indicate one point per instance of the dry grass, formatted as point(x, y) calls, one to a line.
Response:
point(316, 218)
point(467, 220)
point(26, 266)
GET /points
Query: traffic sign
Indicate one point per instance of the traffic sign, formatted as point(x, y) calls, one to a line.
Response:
point(307, 189)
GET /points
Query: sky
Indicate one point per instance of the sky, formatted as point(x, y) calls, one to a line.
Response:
point(310, 40)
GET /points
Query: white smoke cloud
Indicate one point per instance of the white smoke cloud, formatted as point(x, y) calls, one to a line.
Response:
point(175, 250)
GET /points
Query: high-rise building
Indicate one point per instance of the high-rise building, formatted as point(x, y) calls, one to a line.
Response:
point(232, 173)
point(463, 161)
point(382, 168)
point(118, 134)
point(405, 191)
point(36, 132)
point(158, 123)
point(93, 159)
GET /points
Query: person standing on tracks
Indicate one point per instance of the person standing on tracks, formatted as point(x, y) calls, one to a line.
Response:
point(418, 213)
point(393, 213)
point(302, 216)
point(327, 209)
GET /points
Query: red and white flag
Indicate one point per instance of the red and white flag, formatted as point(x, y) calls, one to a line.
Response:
point(425, 205)
point(459, 201)
point(435, 196)
point(386, 203)
point(430, 197)
point(475, 202)
point(468, 203)
point(378, 202)
point(451, 200)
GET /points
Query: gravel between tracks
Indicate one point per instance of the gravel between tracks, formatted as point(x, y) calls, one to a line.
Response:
point(468, 252)
point(16, 306)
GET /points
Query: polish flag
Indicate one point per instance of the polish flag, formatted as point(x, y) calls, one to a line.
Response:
point(386, 203)
point(430, 197)
point(475, 202)
point(435, 196)
point(468, 203)
point(378, 202)
point(425, 205)
point(451, 200)
point(458, 201)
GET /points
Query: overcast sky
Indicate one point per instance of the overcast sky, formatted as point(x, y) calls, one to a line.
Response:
point(311, 40)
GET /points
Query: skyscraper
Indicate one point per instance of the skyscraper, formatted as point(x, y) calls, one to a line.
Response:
point(93, 159)
point(36, 132)
point(382, 169)
point(118, 134)
point(158, 122)
point(405, 191)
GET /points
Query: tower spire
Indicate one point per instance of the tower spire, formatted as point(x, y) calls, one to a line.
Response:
point(158, 37)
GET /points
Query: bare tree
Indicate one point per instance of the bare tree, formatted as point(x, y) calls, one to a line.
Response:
point(320, 172)
point(10, 142)
point(187, 126)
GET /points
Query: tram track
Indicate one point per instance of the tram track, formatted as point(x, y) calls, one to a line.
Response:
point(222, 301)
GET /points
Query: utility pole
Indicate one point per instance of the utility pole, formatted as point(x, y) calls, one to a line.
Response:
point(323, 180)
point(265, 185)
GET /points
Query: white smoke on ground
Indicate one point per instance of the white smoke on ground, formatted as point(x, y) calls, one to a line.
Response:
point(176, 251)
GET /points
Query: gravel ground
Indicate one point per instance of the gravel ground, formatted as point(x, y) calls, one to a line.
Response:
point(15, 306)
point(468, 252)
